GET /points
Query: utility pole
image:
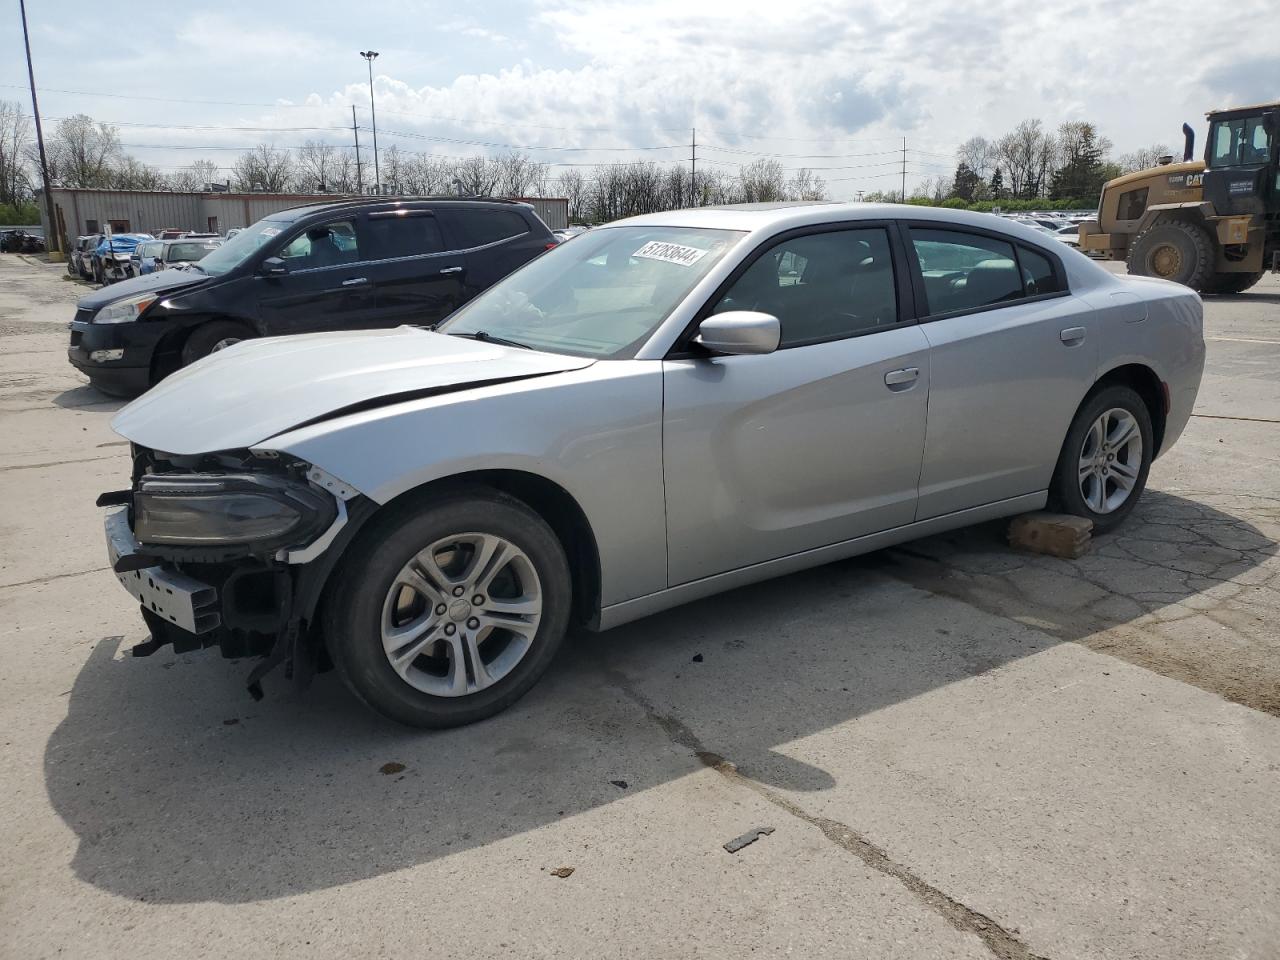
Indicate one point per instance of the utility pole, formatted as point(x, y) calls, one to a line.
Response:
point(355, 132)
point(370, 56)
point(693, 170)
point(904, 169)
point(53, 242)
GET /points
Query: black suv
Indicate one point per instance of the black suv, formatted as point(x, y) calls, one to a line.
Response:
point(346, 265)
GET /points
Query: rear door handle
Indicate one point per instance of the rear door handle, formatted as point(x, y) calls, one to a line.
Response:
point(901, 379)
point(355, 282)
point(1072, 336)
point(451, 270)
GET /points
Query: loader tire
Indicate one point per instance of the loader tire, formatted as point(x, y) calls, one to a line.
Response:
point(1177, 251)
point(1226, 283)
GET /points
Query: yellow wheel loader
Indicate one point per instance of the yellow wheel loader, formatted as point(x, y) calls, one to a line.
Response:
point(1213, 225)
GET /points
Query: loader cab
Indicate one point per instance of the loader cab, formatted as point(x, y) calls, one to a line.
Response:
point(1242, 160)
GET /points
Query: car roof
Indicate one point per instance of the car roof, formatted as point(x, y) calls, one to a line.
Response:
point(310, 209)
point(776, 217)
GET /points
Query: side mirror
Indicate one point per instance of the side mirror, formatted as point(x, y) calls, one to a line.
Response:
point(273, 267)
point(740, 332)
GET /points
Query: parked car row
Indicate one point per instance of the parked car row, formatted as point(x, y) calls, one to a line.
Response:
point(661, 409)
point(108, 259)
point(1063, 226)
point(347, 265)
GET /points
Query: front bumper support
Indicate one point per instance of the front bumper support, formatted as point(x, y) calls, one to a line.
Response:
point(174, 597)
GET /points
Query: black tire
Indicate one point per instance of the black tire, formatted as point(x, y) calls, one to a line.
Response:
point(1064, 492)
point(352, 615)
point(208, 337)
point(1228, 283)
point(1176, 250)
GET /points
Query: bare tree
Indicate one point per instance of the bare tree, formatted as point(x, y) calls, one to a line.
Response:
point(130, 173)
point(762, 181)
point(263, 168)
point(1028, 154)
point(15, 140)
point(1143, 158)
point(573, 187)
point(315, 168)
point(83, 153)
point(194, 177)
point(980, 155)
point(806, 185)
point(477, 176)
point(518, 174)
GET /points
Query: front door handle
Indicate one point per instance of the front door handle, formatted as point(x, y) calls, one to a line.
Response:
point(355, 282)
point(1072, 336)
point(451, 270)
point(901, 379)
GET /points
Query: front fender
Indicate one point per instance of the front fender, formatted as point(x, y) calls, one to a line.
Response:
point(596, 432)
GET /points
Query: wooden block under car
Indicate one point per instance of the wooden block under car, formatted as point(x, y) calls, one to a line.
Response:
point(1057, 534)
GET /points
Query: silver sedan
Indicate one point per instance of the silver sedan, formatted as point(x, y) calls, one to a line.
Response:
point(667, 407)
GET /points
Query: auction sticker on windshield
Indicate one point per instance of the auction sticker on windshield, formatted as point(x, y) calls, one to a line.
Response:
point(670, 252)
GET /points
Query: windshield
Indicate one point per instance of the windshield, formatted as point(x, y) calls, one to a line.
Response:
point(244, 244)
point(601, 296)
point(191, 251)
point(1237, 143)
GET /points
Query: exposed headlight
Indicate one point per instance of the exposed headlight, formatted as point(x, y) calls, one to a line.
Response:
point(206, 510)
point(124, 311)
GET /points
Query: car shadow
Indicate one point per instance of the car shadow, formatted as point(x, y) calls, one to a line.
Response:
point(180, 789)
point(87, 395)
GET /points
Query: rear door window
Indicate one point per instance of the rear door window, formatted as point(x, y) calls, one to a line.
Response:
point(965, 271)
point(480, 227)
point(403, 234)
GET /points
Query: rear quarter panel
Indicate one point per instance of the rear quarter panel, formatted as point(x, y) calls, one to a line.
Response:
point(1159, 325)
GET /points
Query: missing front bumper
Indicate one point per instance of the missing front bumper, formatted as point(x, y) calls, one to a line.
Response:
point(172, 597)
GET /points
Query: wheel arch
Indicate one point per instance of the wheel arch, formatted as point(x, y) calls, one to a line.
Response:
point(1148, 385)
point(167, 356)
point(552, 502)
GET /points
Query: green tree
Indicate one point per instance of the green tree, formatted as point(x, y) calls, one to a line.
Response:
point(966, 183)
point(997, 185)
point(1081, 173)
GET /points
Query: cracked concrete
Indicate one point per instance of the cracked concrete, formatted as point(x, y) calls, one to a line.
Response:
point(965, 752)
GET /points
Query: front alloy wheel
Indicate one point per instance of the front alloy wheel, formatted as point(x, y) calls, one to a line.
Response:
point(461, 614)
point(448, 608)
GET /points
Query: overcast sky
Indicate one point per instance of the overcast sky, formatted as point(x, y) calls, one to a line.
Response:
point(832, 86)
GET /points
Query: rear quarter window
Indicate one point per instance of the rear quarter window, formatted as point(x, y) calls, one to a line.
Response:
point(477, 228)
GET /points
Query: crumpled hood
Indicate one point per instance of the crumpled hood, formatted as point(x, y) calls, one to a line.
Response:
point(245, 394)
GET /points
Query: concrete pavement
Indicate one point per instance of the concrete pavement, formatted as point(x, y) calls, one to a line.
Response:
point(964, 752)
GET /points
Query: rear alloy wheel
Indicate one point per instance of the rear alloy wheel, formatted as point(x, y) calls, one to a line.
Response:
point(448, 614)
point(1102, 469)
point(1177, 251)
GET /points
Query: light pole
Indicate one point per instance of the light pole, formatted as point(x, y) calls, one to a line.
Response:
point(370, 56)
point(53, 241)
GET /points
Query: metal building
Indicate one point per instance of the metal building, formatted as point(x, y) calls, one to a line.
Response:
point(83, 211)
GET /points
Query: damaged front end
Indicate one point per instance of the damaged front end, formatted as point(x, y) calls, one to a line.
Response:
point(232, 550)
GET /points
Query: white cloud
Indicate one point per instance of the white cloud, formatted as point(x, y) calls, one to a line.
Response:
point(842, 82)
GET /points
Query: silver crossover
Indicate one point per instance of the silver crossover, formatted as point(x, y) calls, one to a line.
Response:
point(667, 407)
